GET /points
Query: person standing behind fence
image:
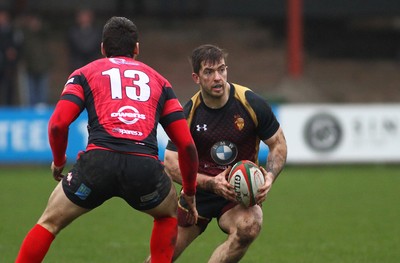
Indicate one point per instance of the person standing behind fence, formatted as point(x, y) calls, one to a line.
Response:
point(37, 59)
point(83, 39)
point(10, 41)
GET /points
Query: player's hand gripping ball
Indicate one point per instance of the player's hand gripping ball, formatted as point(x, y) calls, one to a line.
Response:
point(246, 178)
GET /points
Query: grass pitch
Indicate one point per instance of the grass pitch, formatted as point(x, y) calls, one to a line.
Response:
point(321, 214)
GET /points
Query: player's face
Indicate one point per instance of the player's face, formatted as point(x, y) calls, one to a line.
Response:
point(212, 79)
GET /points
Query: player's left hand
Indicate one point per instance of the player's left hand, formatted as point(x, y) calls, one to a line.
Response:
point(263, 190)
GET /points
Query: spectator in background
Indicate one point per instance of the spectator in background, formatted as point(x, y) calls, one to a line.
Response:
point(83, 40)
point(10, 41)
point(37, 61)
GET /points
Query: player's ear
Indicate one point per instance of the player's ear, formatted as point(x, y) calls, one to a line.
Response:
point(196, 78)
point(103, 52)
point(136, 49)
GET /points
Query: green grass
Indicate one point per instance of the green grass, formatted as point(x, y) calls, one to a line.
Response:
point(321, 214)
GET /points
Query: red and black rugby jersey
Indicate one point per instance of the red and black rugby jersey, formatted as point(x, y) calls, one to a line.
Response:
point(125, 99)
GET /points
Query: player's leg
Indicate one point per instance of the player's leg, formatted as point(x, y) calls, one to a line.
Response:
point(242, 226)
point(164, 232)
point(186, 235)
point(168, 207)
point(60, 211)
point(208, 205)
point(147, 188)
point(182, 237)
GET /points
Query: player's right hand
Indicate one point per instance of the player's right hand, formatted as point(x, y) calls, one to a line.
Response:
point(57, 170)
point(222, 187)
point(192, 214)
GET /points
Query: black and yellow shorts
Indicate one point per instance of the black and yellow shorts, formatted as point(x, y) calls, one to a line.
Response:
point(209, 206)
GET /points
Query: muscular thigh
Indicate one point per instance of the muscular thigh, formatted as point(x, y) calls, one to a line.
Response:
point(60, 211)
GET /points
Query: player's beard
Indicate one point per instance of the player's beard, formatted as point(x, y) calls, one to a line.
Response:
point(216, 96)
point(213, 93)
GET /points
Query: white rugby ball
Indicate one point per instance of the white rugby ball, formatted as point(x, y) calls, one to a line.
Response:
point(246, 178)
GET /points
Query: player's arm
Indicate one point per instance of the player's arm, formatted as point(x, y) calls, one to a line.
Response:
point(64, 114)
point(275, 162)
point(171, 163)
point(187, 161)
point(277, 153)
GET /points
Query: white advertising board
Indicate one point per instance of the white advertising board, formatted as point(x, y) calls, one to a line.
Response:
point(349, 133)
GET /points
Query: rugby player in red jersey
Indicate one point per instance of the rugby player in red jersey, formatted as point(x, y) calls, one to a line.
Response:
point(227, 122)
point(125, 101)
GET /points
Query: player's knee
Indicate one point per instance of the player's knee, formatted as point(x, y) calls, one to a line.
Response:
point(248, 231)
point(53, 224)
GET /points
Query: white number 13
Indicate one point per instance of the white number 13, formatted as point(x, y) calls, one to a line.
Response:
point(140, 79)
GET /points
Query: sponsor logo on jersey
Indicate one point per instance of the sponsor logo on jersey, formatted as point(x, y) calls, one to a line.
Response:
point(121, 61)
point(224, 152)
point(128, 115)
point(201, 127)
point(239, 122)
point(129, 132)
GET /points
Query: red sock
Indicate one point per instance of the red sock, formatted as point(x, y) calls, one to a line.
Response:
point(163, 239)
point(35, 245)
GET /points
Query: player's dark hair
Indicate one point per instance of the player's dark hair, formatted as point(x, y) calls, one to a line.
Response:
point(207, 53)
point(120, 36)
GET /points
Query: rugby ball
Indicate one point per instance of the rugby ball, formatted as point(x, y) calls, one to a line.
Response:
point(246, 178)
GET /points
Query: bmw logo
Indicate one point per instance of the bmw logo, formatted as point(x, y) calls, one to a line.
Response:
point(224, 152)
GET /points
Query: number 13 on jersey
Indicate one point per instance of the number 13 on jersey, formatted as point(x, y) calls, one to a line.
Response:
point(139, 92)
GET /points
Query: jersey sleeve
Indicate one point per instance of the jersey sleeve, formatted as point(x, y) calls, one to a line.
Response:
point(186, 109)
point(268, 124)
point(73, 90)
point(172, 109)
point(64, 114)
point(68, 108)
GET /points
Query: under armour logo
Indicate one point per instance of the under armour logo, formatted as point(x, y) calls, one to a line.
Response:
point(201, 127)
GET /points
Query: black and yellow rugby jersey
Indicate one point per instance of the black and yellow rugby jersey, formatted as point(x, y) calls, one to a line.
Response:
point(232, 133)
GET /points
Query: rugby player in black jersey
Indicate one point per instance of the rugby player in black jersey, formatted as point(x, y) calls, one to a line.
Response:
point(227, 122)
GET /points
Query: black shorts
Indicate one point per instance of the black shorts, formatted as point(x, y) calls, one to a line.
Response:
point(209, 206)
point(99, 175)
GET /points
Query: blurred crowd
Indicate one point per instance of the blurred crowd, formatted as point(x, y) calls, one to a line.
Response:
point(26, 58)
